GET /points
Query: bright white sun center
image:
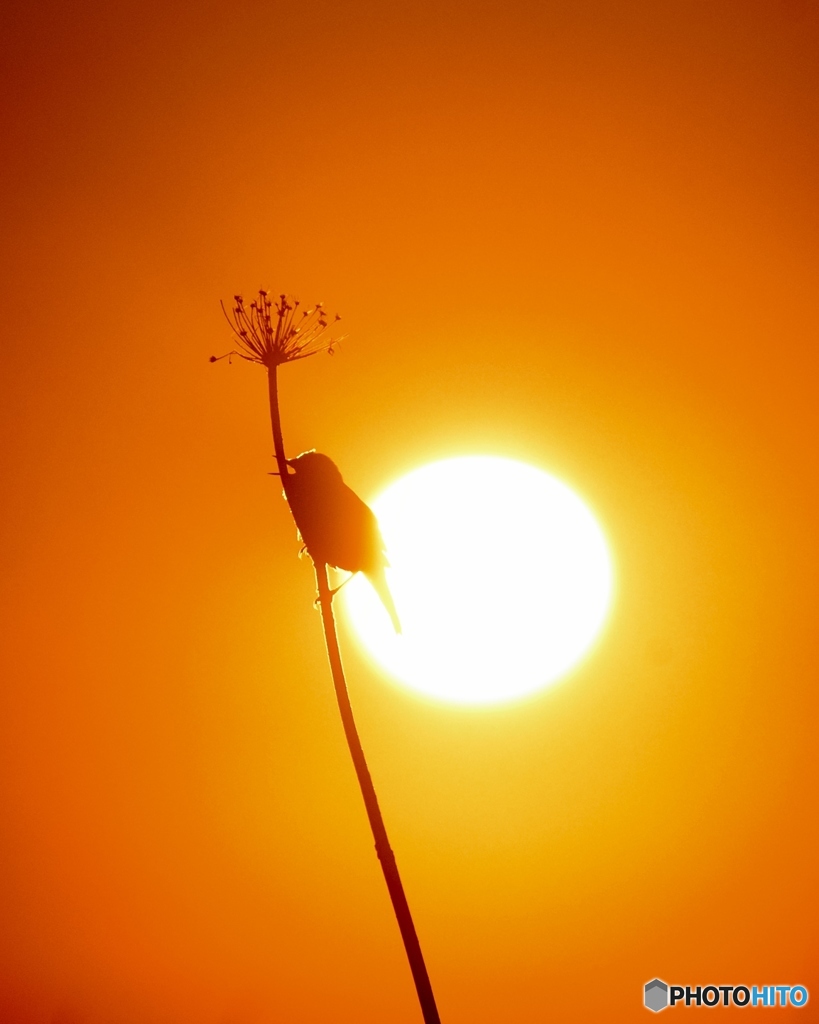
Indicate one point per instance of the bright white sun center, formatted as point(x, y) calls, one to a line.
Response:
point(500, 573)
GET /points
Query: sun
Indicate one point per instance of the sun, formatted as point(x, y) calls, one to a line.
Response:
point(501, 575)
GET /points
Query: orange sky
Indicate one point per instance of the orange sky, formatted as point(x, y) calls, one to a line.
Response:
point(578, 234)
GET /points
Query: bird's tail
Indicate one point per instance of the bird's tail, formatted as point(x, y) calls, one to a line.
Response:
point(378, 579)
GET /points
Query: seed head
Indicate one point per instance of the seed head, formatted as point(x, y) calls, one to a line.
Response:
point(274, 332)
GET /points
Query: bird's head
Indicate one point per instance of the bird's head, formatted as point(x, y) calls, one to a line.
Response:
point(313, 465)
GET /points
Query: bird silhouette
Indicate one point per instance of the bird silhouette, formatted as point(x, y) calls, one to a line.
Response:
point(335, 525)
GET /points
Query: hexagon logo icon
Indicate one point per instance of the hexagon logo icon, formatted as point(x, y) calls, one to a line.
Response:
point(655, 995)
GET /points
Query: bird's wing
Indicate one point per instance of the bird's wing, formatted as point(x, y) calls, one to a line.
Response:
point(358, 543)
point(361, 531)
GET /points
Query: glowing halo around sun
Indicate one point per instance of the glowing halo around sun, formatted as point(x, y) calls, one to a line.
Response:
point(501, 576)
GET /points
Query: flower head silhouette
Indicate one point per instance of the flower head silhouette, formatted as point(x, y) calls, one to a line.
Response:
point(272, 333)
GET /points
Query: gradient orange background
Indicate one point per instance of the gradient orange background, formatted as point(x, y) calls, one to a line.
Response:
point(580, 234)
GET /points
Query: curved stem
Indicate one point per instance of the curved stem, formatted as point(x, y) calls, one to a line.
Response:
point(382, 844)
point(365, 782)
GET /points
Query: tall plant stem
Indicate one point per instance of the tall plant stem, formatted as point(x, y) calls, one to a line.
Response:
point(365, 782)
point(382, 843)
point(276, 425)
